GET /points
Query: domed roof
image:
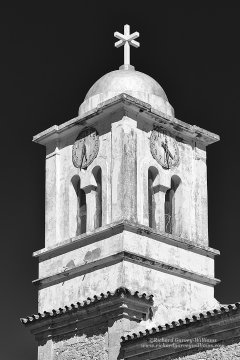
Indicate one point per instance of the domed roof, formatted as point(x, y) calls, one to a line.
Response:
point(120, 81)
point(126, 80)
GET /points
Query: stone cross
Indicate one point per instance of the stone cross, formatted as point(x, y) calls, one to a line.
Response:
point(126, 39)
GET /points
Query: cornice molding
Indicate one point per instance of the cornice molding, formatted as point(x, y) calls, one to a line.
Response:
point(120, 257)
point(111, 305)
point(116, 228)
point(178, 127)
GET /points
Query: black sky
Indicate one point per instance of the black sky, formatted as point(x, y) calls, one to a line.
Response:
point(50, 56)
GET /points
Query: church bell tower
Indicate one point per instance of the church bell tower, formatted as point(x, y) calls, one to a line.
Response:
point(126, 239)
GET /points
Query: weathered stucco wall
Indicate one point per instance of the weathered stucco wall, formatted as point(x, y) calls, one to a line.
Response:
point(180, 276)
point(82, 255)
point(81, 287)
point(85, 347)
point(61, 202)
point(174, 297)
point(126, 240)
point(191, 213)
point(125, 157)
point(89, 269)
point(124, 170)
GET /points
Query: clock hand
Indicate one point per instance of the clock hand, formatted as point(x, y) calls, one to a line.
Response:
point(167, 159)
point(164, 145)
point(167, 150)
point(167, 153)
point(84, 151)
point(170, 154)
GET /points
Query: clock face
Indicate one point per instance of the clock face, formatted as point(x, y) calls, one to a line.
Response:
point(85, 148)
point(164, 148)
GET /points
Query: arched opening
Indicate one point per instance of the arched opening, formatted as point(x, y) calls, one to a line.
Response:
point(77, 208)
point(168, 210)
point(97, 172)
point(170, 205)
point(152, 173)
point(82, 209)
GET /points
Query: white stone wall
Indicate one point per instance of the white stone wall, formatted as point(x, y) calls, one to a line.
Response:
point(81, 287)
point(174, 297)
point(132, 242)
point(124, 157)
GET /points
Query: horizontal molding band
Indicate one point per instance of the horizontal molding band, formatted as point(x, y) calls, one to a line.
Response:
point(126, 101)
point(116, 228)
point(124, 256)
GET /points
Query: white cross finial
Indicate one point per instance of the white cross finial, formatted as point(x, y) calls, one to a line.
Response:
point(126, 39)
